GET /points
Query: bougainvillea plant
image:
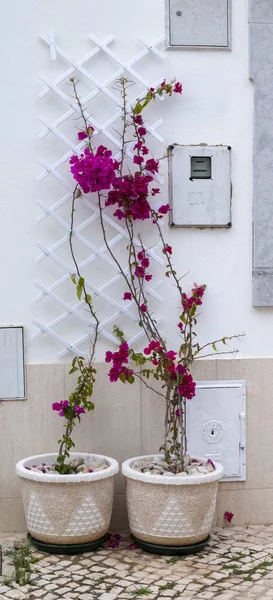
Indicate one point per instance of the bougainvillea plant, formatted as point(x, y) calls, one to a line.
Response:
point(78, 402)
point(130, 191)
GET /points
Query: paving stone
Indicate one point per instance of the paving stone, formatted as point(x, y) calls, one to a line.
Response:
point(116, 574)
point(16, 595)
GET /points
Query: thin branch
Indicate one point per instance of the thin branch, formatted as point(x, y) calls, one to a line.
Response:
point(235, 351)
point(138, 375)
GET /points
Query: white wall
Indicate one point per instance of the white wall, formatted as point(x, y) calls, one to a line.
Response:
point(216, 108)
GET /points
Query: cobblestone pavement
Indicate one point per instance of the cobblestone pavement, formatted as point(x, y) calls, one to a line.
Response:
point(237, 564)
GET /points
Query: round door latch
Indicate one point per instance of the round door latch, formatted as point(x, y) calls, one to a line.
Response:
point(212, 432)
point(179, 13)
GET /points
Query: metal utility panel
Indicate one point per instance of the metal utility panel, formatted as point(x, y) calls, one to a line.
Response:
point(215, 423)
point(12, 367)
point(198, 24)
point(200, 186)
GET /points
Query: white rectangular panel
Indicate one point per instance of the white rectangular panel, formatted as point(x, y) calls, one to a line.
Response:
point(198, 23)
point(200, 193)
point(215, 424)
point(12, 368)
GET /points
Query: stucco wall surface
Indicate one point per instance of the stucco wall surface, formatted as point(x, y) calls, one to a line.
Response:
point(215, 108)
point(129, 421)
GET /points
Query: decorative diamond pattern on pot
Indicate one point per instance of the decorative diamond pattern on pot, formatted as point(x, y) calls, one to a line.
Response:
point(86, 518)
point(136, 523)
point(206, 525)
point(172, 522)
point(36, 517)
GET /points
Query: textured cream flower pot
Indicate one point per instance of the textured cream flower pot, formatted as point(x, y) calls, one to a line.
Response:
point(67, 509)
point(170, 511)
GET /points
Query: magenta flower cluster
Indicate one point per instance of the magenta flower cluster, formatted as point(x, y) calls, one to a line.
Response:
point(185, 384)
point(94, 172)
point(129, 193)
point(98, 171)
point(63, 404)
point(119, 359)
point(195, 299)
point(141, 266)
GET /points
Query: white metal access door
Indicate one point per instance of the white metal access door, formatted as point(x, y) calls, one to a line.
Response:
point(215, 424)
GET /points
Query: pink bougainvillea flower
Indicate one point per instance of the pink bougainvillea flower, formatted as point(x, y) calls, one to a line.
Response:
point(178, 88)
point(108, 356)
point(155, 191)
point(153, 346)
point(145, 262)
point(177, 412)
point(138, 120)
point(60, 406)
point(113, 540)
point(138, 160)
point(180, 326)
point(116, 164)
point(143, 308)
point(152, 165)
point(167, 250)
point(144, 150)
point(164, 209)
point(141, 131)
point(171, 354)
point(228, 516)
point(148, 277)
point(139, 271)
point(163, 83)
point(127, 296)
point(155, 362)
point(82, 135)
point(209, 461)
point(78, 410)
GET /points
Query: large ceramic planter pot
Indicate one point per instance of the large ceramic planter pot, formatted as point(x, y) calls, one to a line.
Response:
point(68, 512)
point(170, 515)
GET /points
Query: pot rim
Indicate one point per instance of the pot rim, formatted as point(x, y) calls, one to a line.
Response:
point(58, 478)
point(178, 480)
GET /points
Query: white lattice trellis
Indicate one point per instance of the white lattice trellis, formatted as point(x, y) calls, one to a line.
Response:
point(79, 69)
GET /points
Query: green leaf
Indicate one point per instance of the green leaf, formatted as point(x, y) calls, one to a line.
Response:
point(88, 298)
point(147, 100)
point(138, 108)
point(80, 285)
point(73, 278)
point(72, 370)
point(122, 377)
point(214, 347)
point(131, 379)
